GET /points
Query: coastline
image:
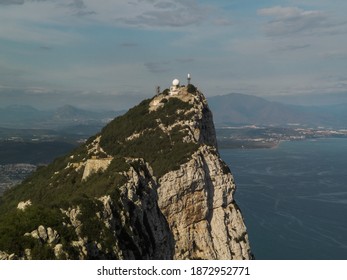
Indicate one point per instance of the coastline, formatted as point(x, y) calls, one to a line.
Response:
point(248, 144)
point(276, 187)
point(251, 145)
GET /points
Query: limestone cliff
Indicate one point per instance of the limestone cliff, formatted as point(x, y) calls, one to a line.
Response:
point(197, 201)
point(151, 185)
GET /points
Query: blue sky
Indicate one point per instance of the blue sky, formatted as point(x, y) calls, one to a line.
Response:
point(111, 53)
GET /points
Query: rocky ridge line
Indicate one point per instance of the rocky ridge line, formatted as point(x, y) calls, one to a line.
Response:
point(187, 212)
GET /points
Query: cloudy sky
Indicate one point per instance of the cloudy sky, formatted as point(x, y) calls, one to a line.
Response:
point(113, 52)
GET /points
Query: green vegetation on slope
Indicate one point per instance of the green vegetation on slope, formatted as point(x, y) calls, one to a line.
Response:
point(60, 186)
point(163, 151)
point(49, 195)
point(15, 223)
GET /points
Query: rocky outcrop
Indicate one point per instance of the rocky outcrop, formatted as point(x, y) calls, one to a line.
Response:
point(199, 121)
point(151, 185)
point(197, 201)
point(23, 205)
point(148, 230)
point(95, 165)
point(44, 235)
point(135, 220)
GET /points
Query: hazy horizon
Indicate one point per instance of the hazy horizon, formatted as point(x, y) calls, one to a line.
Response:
point(84, 51)
point(124, 102)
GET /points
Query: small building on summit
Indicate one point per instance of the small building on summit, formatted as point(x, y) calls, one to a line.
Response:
point(175, 87)
point(176, 90)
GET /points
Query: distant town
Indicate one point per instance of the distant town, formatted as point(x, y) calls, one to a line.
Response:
point(21, 151)
point(12, 174)
point(253, 136)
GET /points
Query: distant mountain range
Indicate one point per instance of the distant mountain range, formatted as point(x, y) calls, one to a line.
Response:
point(243, 109)
point(234, 108)
point(21, 116)
point(318, 99)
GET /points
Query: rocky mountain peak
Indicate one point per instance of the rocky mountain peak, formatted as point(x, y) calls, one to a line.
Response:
point(200, 126)
point(150, 185)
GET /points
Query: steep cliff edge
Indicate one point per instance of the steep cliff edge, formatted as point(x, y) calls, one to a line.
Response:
point(197, 201)
point(151, 185)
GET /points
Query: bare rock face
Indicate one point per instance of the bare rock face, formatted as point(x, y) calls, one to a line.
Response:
point(149, 230)
point(4, 256)
point(197, 201)
point(23, 205)
point(94, 165)
point(48, 235)
point(139, 229)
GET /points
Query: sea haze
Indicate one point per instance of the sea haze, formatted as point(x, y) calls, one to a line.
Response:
point(293, 198)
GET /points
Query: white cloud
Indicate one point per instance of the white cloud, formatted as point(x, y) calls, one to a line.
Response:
point(289, 20)
point(169, 13)
point(11, 2)
point(283, 12)
point(72, 49)
point(30, 33)
point(286, 21)
point(80, 8)
point(45, 20)
point(42, 22)
point(292, 47)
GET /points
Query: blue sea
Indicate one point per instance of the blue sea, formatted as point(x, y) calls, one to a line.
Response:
point(293, 198)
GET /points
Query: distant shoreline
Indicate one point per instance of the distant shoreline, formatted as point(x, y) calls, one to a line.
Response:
point(252, 145)
point(247, 145)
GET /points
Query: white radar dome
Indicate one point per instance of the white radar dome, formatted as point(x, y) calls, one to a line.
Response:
point(175, 82)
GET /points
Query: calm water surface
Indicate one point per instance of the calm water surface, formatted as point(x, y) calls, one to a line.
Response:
point(294, 198)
